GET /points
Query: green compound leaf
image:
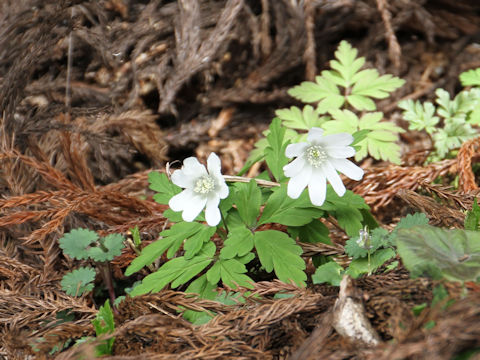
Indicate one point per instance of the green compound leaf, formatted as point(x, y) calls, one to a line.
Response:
point(165, 189)
point(294, 118)
point(248, 198)
point(330, 273)
point(284, 210)
point(342, 121)
point(470, 77)
point(104, 324)
point(238, 243)
point(79, 281)
point(323, 90)
point(275, 151)
point(171, 239)
point(231, 272)
point(419, 117)
point(451, 254)
point(360, 86)
point(452, 136)
point(176, 271)
point(380, 141)
point(379, 136)
point(368, 83)
point(113, 244)
point(458, 108)
point(195, 242)
point(76, 242)
point(278, 252)
point(346, 65)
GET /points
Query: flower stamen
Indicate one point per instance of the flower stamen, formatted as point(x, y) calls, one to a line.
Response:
point(316, 155)
point(204, 185)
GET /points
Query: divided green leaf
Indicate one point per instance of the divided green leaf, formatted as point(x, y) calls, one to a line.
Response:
point(165, 189)
point(278, 252)
point(171, 239)
point(231, 272)
point(454, 133)
point(360, 86)
point(323, 90)
point(420, 117)
point(456, 109)
point(369, 84)
point(239, 242)
point(380, 136)
point(177, 271)
point(295, 118)
point(284, 210)
point(470, 77)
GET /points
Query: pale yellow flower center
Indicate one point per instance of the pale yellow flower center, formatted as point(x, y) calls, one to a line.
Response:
point(316, 155)
point(204, 185)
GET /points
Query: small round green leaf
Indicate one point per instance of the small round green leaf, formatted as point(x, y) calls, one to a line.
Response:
point(78, 282)
point(76, 242)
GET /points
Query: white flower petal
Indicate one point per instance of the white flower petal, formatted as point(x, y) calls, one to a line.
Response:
point(297, 149)
point(340, 152)
point(223, 190)
point(299, 182)
point(183, 180)
point(348, 168)
point(333, 178)
point(315, 135)
point(181, 201)
point(195, 206)
point(341, 139)
point(212, 212)
point(295, 167)
point(191, 167)
point(213, 165)
point(317, 188)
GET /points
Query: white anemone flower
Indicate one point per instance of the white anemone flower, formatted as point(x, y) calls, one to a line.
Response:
point(202, 189)
point(317, 161)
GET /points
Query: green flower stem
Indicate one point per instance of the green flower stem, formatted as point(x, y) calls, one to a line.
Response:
point(369, 263)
